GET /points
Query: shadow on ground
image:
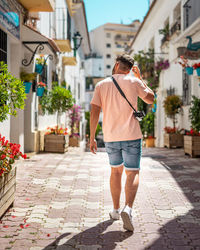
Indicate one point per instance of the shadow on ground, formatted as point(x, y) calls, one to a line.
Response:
point(183, 232)
point(92, 238)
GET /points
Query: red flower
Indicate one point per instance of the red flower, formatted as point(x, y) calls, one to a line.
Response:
point(41, 84)
point(11, 156)
point(3, 157)
point(24, 156)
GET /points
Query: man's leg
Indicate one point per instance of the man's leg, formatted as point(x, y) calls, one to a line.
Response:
point(131, 186)
point(115, 185)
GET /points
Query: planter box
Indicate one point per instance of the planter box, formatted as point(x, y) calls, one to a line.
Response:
point(192, 145)
point(56, 143)
point(74, 142)
point(7, 190)
point(173, 140)
point(150, 143)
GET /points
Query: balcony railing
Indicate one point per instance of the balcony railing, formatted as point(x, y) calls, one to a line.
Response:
point(175, 27)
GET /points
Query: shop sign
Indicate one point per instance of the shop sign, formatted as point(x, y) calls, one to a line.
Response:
point(10, 18)
point(192, 51)
point(189, 54)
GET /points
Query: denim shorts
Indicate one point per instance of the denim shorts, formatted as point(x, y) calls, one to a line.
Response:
point(127, 153)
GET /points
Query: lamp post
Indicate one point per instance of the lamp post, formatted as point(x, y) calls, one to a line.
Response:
point(77, 39)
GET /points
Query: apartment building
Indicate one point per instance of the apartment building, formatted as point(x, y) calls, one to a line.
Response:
point(111, 40)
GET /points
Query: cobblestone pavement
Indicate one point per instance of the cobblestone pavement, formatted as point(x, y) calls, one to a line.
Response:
point(62, 202)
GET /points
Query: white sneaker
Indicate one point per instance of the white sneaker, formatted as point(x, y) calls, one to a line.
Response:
point(127, 219)
point(114, 215)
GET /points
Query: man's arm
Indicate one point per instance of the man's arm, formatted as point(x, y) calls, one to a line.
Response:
point(94, 118)
point(149, 98)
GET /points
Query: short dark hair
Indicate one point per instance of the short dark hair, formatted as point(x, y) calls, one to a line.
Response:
point(126, 61)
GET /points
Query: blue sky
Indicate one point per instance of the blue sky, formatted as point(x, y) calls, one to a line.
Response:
point(99, 12)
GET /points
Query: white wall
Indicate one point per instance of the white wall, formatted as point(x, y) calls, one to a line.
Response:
point(94, 67)
point(172, 76)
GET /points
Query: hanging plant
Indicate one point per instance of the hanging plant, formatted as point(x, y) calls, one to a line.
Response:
point(12, 93)
point(161, 65)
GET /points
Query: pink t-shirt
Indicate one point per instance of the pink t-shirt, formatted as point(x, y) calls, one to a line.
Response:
point(119, 123)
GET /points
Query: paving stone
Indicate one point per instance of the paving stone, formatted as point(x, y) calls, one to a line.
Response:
point(66, 204)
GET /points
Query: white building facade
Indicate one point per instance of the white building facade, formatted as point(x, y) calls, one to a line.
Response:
point(183, 19)
point(64, 27)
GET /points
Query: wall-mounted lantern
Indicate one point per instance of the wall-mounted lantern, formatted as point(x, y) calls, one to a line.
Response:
point(77, 38)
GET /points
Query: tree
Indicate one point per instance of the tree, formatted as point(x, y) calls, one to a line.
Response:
point(172, 106)
point(57, 100)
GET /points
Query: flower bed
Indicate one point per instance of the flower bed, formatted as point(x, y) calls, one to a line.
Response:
point(192, 143)
point(9, 152)
point(56, 140)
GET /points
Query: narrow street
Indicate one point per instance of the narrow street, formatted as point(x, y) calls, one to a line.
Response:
point(63, 200)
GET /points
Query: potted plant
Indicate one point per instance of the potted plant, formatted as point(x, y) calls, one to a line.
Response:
point(75, 117)
point(63, 84)
point(197, 67)
point(27, 78)
point(39, 64)
point(192, 138)
point(148, 129)
point(40, 88)
point(184, 63)
point(165, 33)
point(12, 93)
point(172, 107)
point(56, 140)
point(9, 153)
point(58, 100)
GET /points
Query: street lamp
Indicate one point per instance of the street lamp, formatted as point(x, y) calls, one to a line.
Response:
point(77, 38)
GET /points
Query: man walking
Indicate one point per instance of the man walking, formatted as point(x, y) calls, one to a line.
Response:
point(122, 134)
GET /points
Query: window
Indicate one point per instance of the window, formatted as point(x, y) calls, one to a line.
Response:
point(79, 91)
point(186, 88)
point(190, 12)
point(108, 56)
point(108, 66)
point(68, 26)
point(118, 45)
point(108, 45)
point(63, 24)
point(3, 46)
point(108, 35)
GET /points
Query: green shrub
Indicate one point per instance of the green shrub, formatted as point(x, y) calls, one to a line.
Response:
point(12, 93)
point(148, 124)
point(194, 114)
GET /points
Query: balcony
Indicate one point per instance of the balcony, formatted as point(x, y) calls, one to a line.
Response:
point(73, 5)
point(38, 5)
point(122, 38)
point(69, 61)
point(63, 45)
point(176, 28)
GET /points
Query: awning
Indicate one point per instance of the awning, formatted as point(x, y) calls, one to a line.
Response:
point(69, 61)
point(37, 43)
point(32, 37)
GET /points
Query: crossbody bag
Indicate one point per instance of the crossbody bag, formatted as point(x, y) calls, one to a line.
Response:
point(139, 115)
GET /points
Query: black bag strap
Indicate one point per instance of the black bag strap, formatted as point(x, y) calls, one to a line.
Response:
point(122, 93)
